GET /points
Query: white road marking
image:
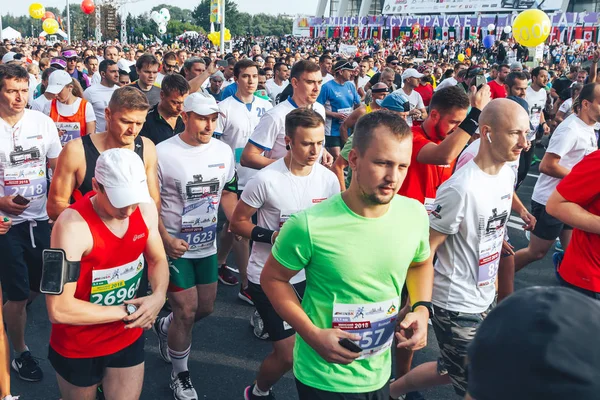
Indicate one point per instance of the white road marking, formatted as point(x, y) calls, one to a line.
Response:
point(514, 225)
point(533, 175)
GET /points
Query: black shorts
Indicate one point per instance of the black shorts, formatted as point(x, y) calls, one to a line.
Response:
point(21, 270)
point(333, 141)
point(85, 372)
point(310, 393)
point(277, 328)
point(547, 227)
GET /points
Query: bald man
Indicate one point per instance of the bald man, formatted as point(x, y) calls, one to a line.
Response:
point(467, 225)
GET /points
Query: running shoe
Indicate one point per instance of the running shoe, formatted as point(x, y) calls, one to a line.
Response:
point(236, 270)
point(182, 388)
point(27, 367)
point(248, 395)
point(163, 347)
point(559, 247)
point(226, 276)
point(413, 396)
point(257, 323)
point(245, 296)
point(557, 260)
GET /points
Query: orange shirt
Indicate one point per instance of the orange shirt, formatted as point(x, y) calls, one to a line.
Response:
point(72, 127)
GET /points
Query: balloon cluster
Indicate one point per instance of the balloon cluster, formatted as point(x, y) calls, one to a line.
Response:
point(215, 37)
point(49, 22)
point(161, 18)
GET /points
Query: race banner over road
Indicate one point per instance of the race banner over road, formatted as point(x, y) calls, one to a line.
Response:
point(454, 6)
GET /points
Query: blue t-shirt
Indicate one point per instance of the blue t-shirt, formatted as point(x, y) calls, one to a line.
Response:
point(229, 91)
point(337, 98)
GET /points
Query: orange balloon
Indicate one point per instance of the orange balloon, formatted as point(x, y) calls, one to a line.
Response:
point(48, 14)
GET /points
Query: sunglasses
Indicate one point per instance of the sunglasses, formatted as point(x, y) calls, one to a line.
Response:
point(394, 63)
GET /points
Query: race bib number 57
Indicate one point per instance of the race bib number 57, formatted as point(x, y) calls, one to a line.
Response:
point(373, 322)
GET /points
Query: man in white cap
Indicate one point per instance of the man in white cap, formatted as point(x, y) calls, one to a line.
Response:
point(97, 321)
point(196, 173)
point(411, 80)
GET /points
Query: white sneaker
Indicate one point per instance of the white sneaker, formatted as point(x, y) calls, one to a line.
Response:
point(163, 347)
point(257, 323)
point(182, 388)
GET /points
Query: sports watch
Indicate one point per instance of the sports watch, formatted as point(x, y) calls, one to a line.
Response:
point(426, 304)
point(130, 308)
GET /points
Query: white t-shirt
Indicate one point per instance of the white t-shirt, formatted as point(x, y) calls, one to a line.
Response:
point(415, 100)
point(68, 110)
point(192, 179)
point(235, 125)
point(270, 132)
point(571, 141)
point(159, 78)
point(273, 89)
point(327, 78)
point(471, 151)
point(40, 103)
point(277, 194)
point(446, 83)
point(472, 208)
point(99, 96)
point(567, 107)
point(536, 102)
point(24, 149)
point(362, 81)
point(96, 78)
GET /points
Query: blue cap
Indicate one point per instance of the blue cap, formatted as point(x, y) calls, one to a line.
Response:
point(394, 101)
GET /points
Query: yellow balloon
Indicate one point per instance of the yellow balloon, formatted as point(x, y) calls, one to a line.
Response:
point(531, 27)
point(50, 26)
point(36, 10)
point(461, 57)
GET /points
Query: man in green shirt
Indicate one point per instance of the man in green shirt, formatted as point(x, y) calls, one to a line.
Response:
point(353, 289)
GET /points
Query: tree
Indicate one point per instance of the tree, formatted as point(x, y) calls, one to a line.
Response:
point(241, 23)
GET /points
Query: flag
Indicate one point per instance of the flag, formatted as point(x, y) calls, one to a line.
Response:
point(452, 33)
point(578, 32)
point(438, 33)
point(444, 33)
point(588, 34)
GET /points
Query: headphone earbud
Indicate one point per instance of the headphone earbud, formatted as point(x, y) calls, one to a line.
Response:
point(287, 147)
point(489, 138)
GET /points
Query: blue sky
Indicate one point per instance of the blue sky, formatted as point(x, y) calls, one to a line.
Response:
point(251, 6)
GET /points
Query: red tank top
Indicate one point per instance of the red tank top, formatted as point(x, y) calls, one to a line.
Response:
point(110, 274)
point(72, 127)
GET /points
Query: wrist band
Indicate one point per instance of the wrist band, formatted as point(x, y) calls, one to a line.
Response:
point(262, 235)
point(471, 123)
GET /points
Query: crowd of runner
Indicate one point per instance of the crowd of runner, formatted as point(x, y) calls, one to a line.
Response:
point(364, 198)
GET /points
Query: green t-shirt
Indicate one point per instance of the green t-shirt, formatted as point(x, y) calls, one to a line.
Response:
point(344, 154)
point(355, 268)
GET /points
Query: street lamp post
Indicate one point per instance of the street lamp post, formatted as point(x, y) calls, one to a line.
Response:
point(68, 23)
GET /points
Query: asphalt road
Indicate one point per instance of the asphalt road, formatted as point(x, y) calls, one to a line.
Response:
point(226, 355)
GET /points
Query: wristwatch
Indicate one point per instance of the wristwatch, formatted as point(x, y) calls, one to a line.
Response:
point(426, 304)
point(130, 308)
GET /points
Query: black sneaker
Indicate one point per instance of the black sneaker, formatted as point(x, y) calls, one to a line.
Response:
point(27, 367)
point(413, 396)
point(226, 276)
point(248, 395)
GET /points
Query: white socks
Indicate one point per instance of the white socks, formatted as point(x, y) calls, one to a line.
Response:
point(179, 359)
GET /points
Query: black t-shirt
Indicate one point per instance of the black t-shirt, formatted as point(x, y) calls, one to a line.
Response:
point(561, 85)
point(157, 129)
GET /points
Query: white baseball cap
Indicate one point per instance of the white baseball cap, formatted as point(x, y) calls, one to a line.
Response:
point(200, 103)
point(411, 73)
point(123, 176)
point(8, 57)
point(57, 81)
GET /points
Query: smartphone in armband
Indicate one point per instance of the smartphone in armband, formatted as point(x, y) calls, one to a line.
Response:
point(57, 271)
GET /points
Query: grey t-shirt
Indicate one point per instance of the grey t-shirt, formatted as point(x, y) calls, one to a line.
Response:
point(153, 95)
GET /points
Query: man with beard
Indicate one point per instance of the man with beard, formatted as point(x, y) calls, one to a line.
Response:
point(497, 88)
point(344, 281)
